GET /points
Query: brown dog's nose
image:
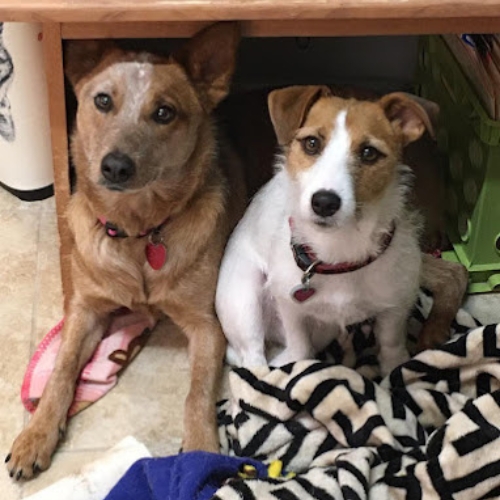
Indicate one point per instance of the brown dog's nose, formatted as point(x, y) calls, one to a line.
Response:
point(325, 203)
point(117, 167)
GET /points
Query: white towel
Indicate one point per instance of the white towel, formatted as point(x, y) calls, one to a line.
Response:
point(96, 479)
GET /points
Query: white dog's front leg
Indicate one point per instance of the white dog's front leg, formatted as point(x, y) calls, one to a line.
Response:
point(390, 331)
point(240, 311)
point(297, 339)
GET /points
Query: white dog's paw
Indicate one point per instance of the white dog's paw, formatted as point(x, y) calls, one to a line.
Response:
point(250, 359)
point(389, 359)
point(287, 356)
point(232, 357)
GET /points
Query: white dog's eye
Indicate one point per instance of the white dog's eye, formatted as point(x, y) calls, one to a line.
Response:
point(370, 155)
point(311, 145)
point(103, 102)
point(164, 114)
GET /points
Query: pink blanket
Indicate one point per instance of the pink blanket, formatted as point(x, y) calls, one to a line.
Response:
point(125, 337)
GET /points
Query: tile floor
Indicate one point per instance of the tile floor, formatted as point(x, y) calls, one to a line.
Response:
point(31, 304)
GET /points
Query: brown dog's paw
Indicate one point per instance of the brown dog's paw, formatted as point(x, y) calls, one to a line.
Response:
point(31, 452)
point(431, 337)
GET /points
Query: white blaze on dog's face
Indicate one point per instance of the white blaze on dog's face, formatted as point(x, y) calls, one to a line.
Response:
point(322, 171)
point(345, 153)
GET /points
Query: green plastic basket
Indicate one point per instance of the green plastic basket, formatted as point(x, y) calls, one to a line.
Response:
point(471, 141)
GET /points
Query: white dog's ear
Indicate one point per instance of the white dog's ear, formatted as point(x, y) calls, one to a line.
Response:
point(209, 59)
point(409, 114)
point(431, 108)
point(288, 108)
point(81, 57)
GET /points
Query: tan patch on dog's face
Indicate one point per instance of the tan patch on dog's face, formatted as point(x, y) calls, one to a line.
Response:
point(347, 147)
point(318, 124)
point(372, 136)
point(138, 86)
point(367, 126)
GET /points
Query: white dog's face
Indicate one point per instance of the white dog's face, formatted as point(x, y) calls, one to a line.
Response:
point(325, 187)
point(345, 154)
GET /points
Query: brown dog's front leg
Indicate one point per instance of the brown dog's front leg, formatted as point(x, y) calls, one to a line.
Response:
point(207, 346)
point(448, 283)
point(33, 448)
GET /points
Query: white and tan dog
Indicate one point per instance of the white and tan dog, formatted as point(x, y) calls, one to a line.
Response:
point(329, 241)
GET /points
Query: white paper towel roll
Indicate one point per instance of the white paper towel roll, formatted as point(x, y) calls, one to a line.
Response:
point(25, 150)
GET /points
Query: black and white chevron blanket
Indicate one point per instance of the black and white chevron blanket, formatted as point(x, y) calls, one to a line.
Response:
point(430, 430)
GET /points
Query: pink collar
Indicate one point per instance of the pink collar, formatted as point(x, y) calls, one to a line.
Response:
point(114, 231)
point(155, 252)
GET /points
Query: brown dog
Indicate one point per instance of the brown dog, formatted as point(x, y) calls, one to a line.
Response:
point(158, 194)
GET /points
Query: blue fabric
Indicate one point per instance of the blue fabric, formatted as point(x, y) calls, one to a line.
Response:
point(195, 475)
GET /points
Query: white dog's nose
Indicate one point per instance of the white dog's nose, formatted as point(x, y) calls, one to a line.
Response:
point(325, 203)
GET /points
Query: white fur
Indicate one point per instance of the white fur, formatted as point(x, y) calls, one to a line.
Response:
point(135, 78)
point(258, 270)
point(331, 172)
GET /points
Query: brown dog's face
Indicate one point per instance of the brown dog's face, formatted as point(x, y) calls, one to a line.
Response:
point(140, 117)
point(342, 154)
point(137, 123)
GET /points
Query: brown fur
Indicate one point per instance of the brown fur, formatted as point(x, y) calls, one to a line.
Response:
point(182, 173)
point(448, 282)
point(317, 123)
point(365, 122)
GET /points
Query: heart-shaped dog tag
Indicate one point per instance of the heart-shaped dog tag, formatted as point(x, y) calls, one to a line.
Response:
point(302, 293)
point(156, 255)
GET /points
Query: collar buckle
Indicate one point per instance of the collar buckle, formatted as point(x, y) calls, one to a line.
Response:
point(155, 237)
point(309, 273)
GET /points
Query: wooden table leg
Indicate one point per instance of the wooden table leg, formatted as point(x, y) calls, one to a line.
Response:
point(53, 54)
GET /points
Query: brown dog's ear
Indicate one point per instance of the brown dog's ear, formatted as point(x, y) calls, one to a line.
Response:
point(432, 110)
point(209, 59)
point(408, 114)
point(81, 57)
point(288, 108)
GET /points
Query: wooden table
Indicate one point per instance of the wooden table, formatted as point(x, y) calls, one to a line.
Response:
point(79, 19)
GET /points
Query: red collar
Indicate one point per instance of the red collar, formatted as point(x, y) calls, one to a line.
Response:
point(308, 261)
point(114, 231)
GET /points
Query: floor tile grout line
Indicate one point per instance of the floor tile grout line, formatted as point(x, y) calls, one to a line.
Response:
point(33, 313)
point(37, 290)
point(99, 449)
point(36, 293)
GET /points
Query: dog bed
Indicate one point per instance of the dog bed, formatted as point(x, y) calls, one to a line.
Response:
point(430, 430)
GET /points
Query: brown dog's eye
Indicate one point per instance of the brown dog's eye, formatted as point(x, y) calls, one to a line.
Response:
point(164, 114)
point(370, 155)
point(103, 102)
point(311, 145)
